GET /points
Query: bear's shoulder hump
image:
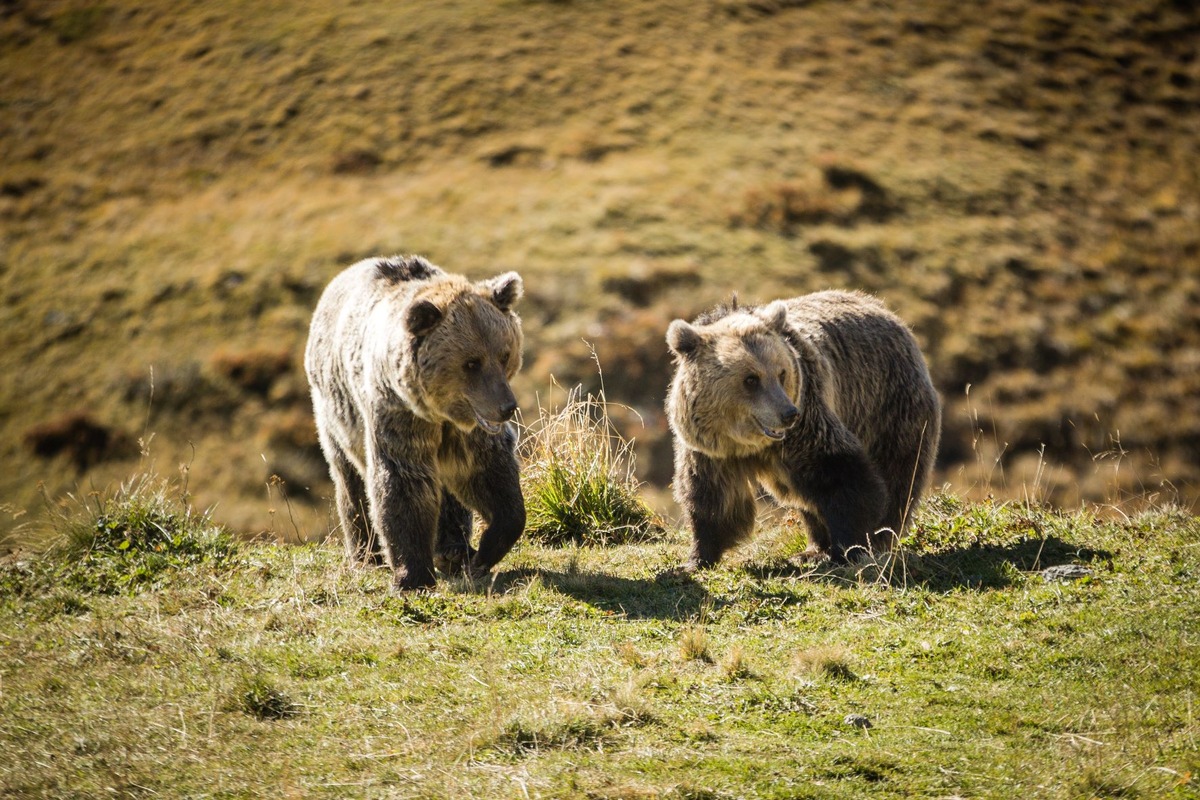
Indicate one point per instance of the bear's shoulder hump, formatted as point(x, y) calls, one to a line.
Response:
point(402, 269)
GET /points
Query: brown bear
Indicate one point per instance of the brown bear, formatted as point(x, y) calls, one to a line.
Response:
point(825, 400)
point(410, 368)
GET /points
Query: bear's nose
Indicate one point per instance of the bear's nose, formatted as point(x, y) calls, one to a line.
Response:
point(508, 409)
point(789, 416)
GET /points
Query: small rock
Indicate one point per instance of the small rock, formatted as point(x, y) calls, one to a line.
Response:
point(1066, 572)
point(857, 721)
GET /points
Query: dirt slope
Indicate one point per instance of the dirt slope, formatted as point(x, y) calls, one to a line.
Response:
point(177, 182)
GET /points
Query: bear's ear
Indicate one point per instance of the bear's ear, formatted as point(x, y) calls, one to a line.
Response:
point(683, 339)
point(506, 290)
point(423, 316)
point(775, 315)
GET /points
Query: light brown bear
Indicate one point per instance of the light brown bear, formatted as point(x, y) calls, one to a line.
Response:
point(410, 370)
point(825, 400)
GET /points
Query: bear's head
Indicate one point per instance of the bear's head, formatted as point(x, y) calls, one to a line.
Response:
point(736, 381)
point(465, 341)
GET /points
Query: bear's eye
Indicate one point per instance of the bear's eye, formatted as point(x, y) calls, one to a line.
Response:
point(782, 375)
point(472, 365)
point(504, 356)
point(751, 382)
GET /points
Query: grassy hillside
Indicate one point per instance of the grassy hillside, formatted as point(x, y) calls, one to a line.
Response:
point(1014, 651)
point(178, 181)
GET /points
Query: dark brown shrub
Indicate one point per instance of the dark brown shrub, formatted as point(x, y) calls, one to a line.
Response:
point(83, 440)
point(254, 370)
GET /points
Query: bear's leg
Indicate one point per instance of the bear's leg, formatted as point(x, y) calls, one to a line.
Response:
point(718, 506)
point(818, 534)
point(900, 504)
point(849, 497)
point(906, 462)
point(352, 505)
point(899, 501)
point(494, 490)
point(406, 502)
point(454, 535)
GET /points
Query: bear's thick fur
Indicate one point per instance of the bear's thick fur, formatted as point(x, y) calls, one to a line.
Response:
point(825, 400)
point(410, 368)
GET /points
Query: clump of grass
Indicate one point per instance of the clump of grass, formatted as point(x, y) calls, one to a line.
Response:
point(734, 667)
point(631, 656)
point(259, 697)
point(693, 644)
point(570, 732)
point(572, 726)
point(579, 480)
point(254, 370)
point(831, 662)
point(81, 438)
point(131, 540)
point(626, 706)
point(78, 24)
point(783, 207)
point(765, 699)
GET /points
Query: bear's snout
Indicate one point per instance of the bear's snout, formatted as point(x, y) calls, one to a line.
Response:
point(788, 417)
point(782, 407)
point(495, 403)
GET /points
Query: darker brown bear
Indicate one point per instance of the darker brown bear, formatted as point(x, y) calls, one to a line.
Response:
point(825, 400)
point(410, 370)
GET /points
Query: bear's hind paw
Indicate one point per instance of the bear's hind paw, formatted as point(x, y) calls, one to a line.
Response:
point(454, 561)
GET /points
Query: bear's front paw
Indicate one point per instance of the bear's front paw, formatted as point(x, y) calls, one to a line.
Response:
point(697, 563)
point(406, 580)
point(477, 570)
point(812, 555)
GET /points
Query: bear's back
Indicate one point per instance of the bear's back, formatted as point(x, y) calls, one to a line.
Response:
point(371, 278)
point(341, 323)
point(875, 364)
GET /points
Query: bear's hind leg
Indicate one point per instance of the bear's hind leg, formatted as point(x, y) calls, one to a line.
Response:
point(454, 535)
point(350, 492)
point(818, 534)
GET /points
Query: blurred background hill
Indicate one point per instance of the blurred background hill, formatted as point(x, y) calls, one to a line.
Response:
point(178, 181)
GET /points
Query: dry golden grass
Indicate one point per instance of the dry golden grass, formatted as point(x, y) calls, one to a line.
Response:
point(578, 477)
point(1019, 181)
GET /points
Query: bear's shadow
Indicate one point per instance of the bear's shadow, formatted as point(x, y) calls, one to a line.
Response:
point(680, 597)
point(978, 567)
point(674, 597)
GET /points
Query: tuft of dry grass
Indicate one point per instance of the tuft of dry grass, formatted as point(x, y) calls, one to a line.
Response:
point(578, 477)
point(826, 661)
point(630, 655)
point(254, 370)
point(79, 437)
point(694, 644)
point(735, 666)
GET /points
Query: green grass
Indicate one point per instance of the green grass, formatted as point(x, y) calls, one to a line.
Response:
point(596, 672)
point(578, 477)
point(144, 533)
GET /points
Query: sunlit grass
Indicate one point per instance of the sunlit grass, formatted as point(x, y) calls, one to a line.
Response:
point(133, 537)
point(580, 672)
point(578, 477)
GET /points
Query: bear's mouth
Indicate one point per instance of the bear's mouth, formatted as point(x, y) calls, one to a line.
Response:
point(774, 434)
point(489, 427)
